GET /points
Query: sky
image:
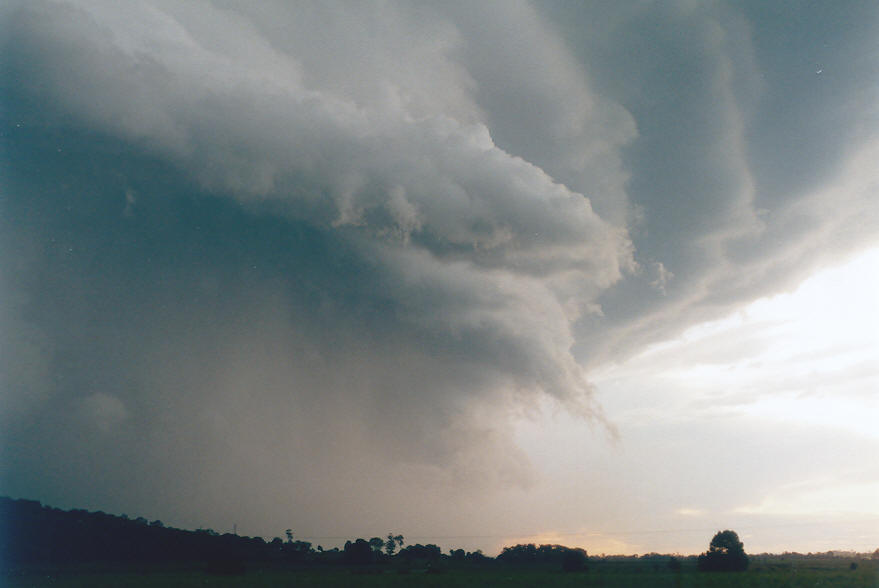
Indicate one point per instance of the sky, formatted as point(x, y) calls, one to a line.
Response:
point(599, 274)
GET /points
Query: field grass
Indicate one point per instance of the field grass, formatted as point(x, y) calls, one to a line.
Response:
point(799, 575)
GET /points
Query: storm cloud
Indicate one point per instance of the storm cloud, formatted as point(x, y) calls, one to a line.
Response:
point(277, 259)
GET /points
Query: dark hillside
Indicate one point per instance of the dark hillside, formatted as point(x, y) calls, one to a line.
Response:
point(31, 533)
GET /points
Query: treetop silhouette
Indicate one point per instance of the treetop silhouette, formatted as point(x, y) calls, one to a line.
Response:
point(726, 553)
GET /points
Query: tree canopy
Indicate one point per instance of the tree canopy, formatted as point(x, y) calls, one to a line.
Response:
point(726, 553)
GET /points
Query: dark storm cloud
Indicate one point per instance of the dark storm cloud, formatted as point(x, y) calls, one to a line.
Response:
point(192, 345)
point(236, 264)
point(283, 258)
point(750, 117)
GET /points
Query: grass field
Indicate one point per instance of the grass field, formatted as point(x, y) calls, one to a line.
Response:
point(776, 574)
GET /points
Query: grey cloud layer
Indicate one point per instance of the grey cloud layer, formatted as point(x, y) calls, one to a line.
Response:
point(251, 125)
point(349, 238)
point(291, 254)
point(390, 164)
point(748, 117)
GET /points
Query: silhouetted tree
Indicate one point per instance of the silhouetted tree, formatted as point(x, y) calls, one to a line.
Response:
point(392, 543)
point(726, 553)
point(377, 544)
point(575, 560)
point(358, 553)
point(521, 553)
point(429, 552)
point(547, 554)
point(459, 555)
point(476, 556)
point(674, 564)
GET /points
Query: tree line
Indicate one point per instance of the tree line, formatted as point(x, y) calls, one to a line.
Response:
point(31, 533)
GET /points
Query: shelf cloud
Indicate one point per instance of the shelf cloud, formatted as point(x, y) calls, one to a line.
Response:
point(281, 257)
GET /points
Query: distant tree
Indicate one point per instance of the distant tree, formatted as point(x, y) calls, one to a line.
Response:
point(726, 553)
point(674, 564)
point(875, 554)
point(476, 556)
point(575, 560)
point(392, 543)
point(429, 552)
point(521, 553)
point(359, 552)
point(529, 553)
point(377, 544)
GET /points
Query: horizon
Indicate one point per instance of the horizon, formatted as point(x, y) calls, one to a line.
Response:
point(449, 547)
point(491, 271)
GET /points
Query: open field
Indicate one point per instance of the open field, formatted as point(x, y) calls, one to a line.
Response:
point(773, 574)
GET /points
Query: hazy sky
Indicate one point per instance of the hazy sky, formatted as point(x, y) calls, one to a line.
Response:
point(596, 273)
